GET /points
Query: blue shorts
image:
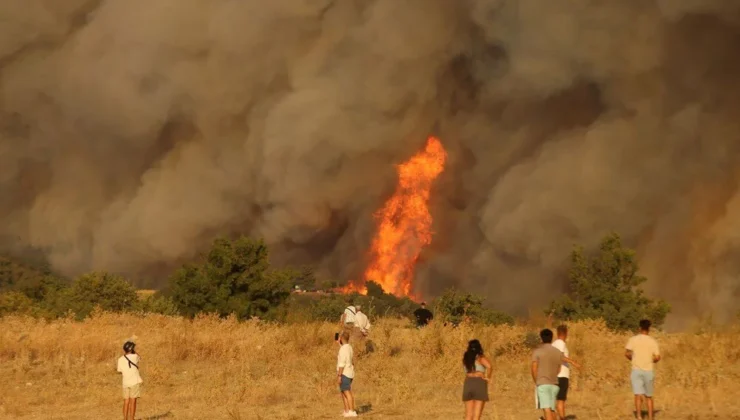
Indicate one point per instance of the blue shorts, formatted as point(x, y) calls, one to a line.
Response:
point(546, 395)
point(346, 384)
point(642, 382)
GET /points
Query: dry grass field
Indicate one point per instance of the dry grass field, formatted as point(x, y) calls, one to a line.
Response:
point(222, 369)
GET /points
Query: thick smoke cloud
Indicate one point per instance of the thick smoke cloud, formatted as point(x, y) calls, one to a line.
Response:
point(132, 132)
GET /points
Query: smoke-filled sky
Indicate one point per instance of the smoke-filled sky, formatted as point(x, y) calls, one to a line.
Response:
point(132, 132)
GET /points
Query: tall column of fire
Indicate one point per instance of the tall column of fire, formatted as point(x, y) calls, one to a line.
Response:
point(404, 224)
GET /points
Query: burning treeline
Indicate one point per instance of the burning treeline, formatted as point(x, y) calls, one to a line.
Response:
point(133, 132)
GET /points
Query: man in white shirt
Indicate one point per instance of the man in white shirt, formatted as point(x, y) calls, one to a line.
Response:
point(643, 351)
point(128, 366)
point(348, 317)
point(361, 321)
point(346, 374)
point(564, 373)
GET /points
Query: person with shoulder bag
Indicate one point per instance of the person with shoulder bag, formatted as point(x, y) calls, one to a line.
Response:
point(128, 367)
point(348, 316)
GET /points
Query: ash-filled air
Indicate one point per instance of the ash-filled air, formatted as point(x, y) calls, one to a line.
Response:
point(133, 132)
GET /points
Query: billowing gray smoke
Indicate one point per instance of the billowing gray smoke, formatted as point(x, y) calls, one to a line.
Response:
point(132, 132)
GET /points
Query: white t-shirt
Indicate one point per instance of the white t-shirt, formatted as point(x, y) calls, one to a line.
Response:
point(644, 348)
point(344, 360)
point(564, 368)
point(362, 322)
point(129, 372)
point(349, 314)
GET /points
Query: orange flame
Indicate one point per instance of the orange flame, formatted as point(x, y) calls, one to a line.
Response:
point(404, 224)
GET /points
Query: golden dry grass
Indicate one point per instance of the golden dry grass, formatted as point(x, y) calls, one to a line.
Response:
point(222, 369)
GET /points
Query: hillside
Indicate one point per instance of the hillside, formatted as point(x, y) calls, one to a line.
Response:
point(221, 369)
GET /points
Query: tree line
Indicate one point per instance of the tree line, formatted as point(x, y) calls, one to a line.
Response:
point(236, 277)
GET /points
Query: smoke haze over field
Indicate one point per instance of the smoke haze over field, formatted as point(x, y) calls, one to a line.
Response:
point(132, 132)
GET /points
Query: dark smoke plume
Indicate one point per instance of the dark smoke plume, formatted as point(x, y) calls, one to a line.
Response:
point(132, 132)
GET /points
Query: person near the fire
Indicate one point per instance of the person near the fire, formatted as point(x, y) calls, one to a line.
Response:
point(348, 316)
point(362, 324)
point(423, 315)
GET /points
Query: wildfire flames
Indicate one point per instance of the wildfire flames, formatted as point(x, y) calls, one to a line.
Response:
point(404, 224)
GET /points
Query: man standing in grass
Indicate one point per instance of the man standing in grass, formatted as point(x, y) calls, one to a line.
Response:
point(642, 350)
point(345, 374)
point(348, 316)
point(564, 374)
point(361, 322)
point(546, 362)
point(423, 315)
point(128, 366)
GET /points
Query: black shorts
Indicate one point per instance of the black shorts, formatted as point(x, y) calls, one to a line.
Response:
point(563, 392)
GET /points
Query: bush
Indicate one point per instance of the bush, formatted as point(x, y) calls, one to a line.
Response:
point(15, 302)
point(493, 317)
point(455, 307)
point(379, 303)
point(328, 308)
point(45, 288)
point(234, 278)
point(606, 286)
point(308, 307)
point(158, 304)
point(107, 291)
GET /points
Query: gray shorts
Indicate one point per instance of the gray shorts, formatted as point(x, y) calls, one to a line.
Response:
point(346, 384)
point(475, 389)
point(642, 382)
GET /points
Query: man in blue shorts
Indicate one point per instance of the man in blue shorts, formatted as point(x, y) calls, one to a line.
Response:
point(345, 374)
point(642, 350)
point(546, 362)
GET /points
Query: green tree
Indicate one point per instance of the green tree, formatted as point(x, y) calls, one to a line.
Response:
point(606, 285)
point(455, 306)
point(305, 278)
point(33, 280)
point(108, 291)
point(235, 277)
